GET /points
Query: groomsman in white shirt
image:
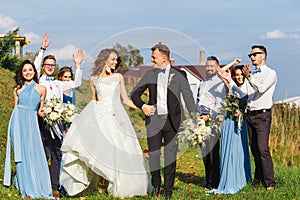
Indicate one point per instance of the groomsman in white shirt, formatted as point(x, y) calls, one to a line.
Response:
point(262, 83)
point(211, 92)
point(55, 89)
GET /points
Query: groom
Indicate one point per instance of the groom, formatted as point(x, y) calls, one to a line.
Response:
point(164, 113)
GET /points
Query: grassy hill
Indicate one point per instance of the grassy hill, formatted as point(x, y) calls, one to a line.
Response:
point(190, 170)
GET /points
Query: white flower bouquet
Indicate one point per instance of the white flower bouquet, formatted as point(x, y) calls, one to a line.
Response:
point(53, 109)
point(194, 131)
point(57, 112)
point(69, 113)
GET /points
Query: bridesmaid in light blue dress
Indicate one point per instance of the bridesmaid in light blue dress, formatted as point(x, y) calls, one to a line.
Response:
point(32, 177)
point(235, 169)
point(66, 74)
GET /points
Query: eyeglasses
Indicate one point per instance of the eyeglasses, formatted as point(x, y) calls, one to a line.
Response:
point(49, 65)
point(254, 54)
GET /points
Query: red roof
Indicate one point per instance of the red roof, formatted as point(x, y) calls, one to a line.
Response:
point(197, 70)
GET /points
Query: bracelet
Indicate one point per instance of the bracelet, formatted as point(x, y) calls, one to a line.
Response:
point(247, 76)
point(43, 48)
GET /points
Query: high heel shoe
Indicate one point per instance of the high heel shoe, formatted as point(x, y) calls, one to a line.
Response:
point(102, 185)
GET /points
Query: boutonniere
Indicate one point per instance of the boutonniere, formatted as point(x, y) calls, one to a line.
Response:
point(170, 78)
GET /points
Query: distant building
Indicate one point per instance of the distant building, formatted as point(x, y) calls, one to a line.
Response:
point(20, 41)
point(290, 101)
point(195, 73)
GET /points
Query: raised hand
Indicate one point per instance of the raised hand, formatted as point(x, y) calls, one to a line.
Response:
point(78, 58)
point(246, 69)
point(225, 76)
point(235, 62)
point(46, 41)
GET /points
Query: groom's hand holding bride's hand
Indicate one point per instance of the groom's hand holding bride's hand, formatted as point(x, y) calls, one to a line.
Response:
point(149, 110)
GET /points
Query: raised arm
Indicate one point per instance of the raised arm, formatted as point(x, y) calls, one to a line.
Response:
point(66, 85)
point(39, 59)
point(227, 80)
point(78, 58)
point(235, 62)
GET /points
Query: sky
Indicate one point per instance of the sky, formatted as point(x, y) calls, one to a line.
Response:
point(226, 29)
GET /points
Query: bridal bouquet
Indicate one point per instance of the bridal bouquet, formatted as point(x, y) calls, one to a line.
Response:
point(69, 113)
point(53, 109)
point(194, 131)
point(234, 107)
point(57, 114)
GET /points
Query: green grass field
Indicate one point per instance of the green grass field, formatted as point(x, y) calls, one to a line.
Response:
point(190, 170)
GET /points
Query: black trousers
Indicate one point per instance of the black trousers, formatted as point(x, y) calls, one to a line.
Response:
point(52, 152)
point(259, 123)
point(211, 160)
point(160, 128)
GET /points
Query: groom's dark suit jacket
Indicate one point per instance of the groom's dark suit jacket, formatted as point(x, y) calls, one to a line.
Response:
point(177, 85)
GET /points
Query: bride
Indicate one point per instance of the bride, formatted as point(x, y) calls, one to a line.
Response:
point(101, 145)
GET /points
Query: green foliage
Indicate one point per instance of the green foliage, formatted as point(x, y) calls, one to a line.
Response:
point(130, 56)
point(7, 44)
point(234, 107)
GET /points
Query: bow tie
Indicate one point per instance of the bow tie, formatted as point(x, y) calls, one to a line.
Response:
point(256, 70)
point(49, 78)
point(162, 70)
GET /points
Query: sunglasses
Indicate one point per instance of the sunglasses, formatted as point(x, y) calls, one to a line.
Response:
point(254, 54)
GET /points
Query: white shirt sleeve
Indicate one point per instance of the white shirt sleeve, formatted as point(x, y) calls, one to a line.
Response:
point(38, 62)
point(66, 85)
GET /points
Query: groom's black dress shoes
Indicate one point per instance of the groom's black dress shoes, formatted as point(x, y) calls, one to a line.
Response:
point(156, 192)
point(168, 195)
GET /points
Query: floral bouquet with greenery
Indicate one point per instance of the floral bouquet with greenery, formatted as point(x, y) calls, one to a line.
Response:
point(57, 115)
point(53, 109)
point(194, 131)
point(69, 113)
point(234, 107)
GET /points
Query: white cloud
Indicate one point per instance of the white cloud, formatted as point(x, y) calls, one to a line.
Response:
point(64, 53)
point(276, 34)
point(7, 23)
point(33, 38)
point(294, 36)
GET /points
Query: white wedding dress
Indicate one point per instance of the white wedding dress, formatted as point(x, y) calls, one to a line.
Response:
point(102, 142)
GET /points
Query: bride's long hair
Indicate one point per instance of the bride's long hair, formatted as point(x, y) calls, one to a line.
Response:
point(100, 61)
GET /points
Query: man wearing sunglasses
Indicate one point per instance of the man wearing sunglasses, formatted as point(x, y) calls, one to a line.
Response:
point(262, 83)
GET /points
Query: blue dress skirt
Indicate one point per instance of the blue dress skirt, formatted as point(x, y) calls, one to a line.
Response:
point(235, 169)
point(32, 173)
